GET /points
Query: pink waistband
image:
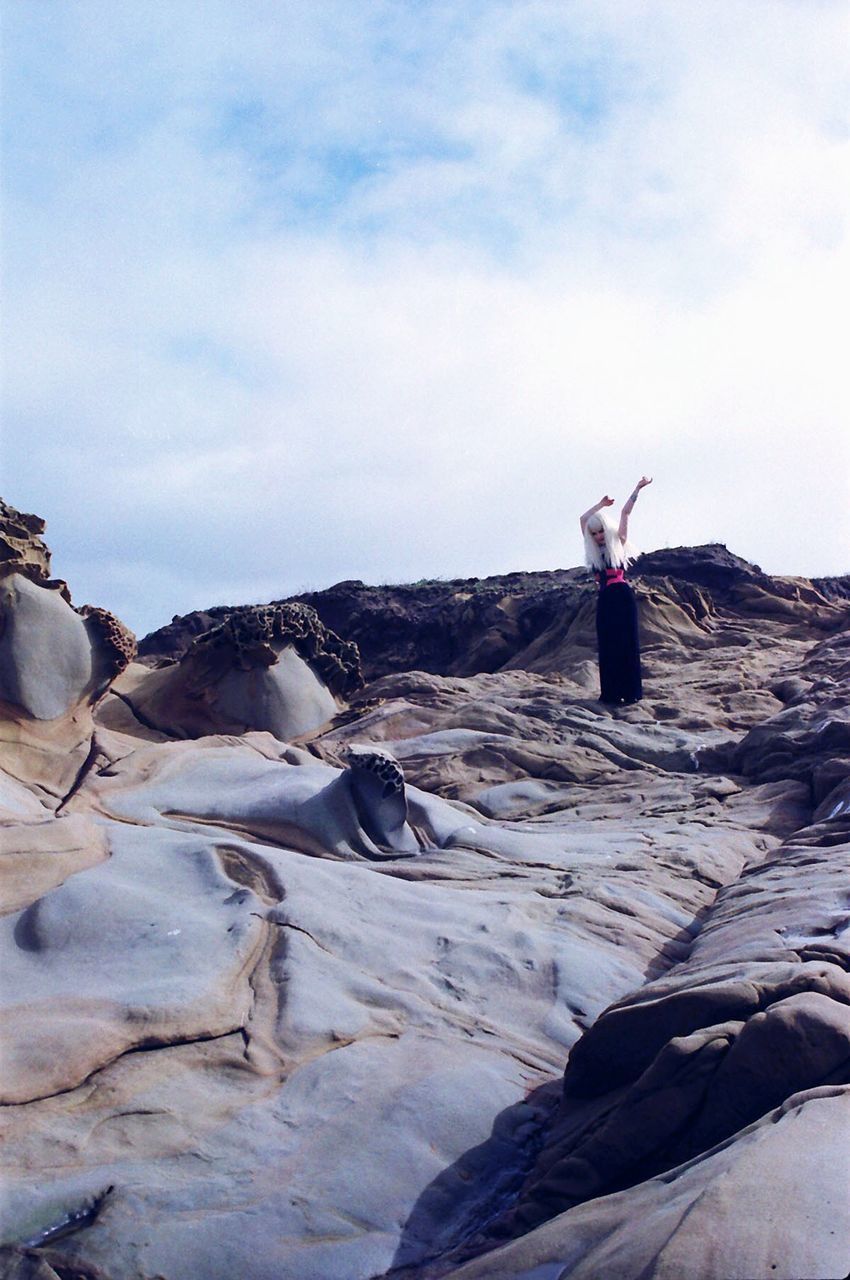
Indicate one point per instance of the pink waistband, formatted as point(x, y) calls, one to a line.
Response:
point(614, 575)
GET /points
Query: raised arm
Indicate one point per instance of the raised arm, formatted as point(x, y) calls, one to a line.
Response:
point(623, 530)
point(603, 502)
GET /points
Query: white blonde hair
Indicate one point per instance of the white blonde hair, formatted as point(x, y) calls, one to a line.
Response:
point(616, 554)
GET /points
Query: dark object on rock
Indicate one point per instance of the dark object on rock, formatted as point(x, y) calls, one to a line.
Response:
point(619, 643)
point(377, 783)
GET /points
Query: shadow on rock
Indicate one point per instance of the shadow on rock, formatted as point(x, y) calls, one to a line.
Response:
point(475, 1190)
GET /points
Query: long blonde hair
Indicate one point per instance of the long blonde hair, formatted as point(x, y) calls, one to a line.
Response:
point(616, 554)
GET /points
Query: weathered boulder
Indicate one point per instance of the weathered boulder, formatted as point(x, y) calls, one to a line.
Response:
point(727, 1213)
point(56, 662)
point(22, 548)
point(274, 668)
point(756, 1013)
point(53, 657)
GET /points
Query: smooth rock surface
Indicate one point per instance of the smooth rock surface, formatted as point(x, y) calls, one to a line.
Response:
point(286, 699)
point(477, 978)
point(728, 1213)
point(56, 663)
point(273, 667)
point(46, 663)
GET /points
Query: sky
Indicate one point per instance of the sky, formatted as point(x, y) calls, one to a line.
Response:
point(299, 291)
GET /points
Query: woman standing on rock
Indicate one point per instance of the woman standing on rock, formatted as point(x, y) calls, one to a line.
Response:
point(608, 553)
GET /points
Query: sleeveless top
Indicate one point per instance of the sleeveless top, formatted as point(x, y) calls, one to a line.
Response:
point(609, 577)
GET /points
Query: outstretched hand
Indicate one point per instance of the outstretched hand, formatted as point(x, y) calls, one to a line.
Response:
point(644, 481)
point(607, 502)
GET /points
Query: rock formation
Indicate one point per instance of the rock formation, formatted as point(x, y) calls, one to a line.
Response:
point(274, 667)
point(465, 975)
point(56, 663)
point(22, 548)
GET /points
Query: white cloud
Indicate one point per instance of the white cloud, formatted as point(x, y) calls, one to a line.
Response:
point(395, 291)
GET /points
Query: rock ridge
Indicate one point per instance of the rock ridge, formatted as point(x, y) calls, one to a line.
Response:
point(467, 626)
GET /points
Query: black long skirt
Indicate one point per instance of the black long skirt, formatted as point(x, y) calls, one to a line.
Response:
point(619, 644)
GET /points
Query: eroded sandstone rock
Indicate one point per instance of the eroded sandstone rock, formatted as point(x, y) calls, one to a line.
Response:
point(727, 1213)
point(274, 668)
point(759, 1011)
point(139, 950)
point(318, 998)
point(52, 656)
point(377, 780)
point(56, 663)
point(542, 621)
point(22, 549)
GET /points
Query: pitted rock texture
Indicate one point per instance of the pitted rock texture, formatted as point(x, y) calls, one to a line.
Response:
point(273, 667)
point(22, 549)
point(479, 978)
point(117, 644)
point(379, 765)
point(250, 638)
point(377, 781)
point(247, 636)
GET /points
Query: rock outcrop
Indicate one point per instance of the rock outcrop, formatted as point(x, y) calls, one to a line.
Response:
point(22, 548)
point(56, 663)
point(470, 977)
point(273, 667)
point(540, 621)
